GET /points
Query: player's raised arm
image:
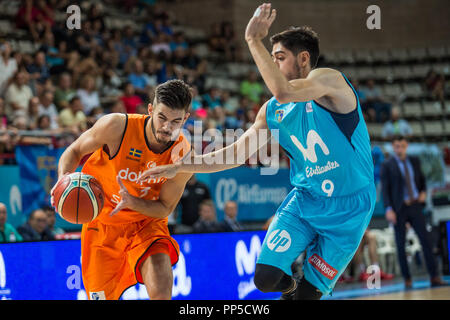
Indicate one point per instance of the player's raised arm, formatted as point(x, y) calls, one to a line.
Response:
point(319, 83)
point(106, 131)
point(231, 156)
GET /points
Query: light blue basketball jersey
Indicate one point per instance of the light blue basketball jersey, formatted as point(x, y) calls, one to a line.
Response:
point(330, 153)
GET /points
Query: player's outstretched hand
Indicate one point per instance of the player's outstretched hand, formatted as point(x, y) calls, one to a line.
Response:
point(259, 24)
point(167, 171)
point(126, 199)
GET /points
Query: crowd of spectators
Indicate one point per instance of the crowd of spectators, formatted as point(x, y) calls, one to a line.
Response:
point(40, 226)
point(76, 76)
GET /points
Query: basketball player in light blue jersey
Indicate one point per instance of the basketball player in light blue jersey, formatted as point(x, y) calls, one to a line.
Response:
point(321, 127)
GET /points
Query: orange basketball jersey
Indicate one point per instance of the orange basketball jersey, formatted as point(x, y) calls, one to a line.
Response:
point(130, 161)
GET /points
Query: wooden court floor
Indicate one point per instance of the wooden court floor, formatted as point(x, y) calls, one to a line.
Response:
point(440, 293)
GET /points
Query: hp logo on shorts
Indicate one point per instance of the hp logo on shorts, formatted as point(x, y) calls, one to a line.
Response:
point(279, 240)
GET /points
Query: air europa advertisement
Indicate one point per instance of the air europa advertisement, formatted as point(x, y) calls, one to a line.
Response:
point(210, 266)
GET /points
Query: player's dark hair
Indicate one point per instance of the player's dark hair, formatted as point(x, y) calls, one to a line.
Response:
point(175, 94)
point(298, 39)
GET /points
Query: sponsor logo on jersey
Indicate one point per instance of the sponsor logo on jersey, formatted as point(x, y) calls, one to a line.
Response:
point(324, 268)
point(279, 240)
point(312, 139)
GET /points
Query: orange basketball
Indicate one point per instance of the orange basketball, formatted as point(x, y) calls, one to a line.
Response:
point(78, 198)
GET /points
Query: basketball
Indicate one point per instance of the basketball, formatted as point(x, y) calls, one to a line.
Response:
point(78, 198)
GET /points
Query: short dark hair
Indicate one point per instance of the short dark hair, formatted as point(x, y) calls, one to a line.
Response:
point(73, 99)
point(298, 39)
point(175, 94)
point(399, 137)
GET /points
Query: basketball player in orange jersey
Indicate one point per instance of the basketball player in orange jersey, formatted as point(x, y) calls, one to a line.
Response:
point(129, 241)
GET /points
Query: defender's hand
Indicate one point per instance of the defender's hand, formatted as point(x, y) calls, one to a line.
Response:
point(167, 171)
point(259, 24)
point(126, 199)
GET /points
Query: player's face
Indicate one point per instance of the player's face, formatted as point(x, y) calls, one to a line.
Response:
point(286, 61)
point(166, 122)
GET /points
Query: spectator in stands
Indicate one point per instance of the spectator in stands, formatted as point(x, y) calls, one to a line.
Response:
point(161, 43)
point(404, 195)
point(396, 126)
point(51, 220)
point(251, 87)
point(33, 113)
point(139, 80)
point(8, 66)
point(54, 58)
point(39, 71)
point(373, 100)
point(178, 42)
point(207, 221)
point(212, 98)
point(3, 118)
point(95, 15)
point(18, 96)
point(64, 91)
point(194, 194)
point(88, 94)
point(111, 84)
point(231, 45)
point(36, 228)
point(130, 99)
point(73, 118)
point(47, 107)
point(7, 232)
point(35, 16)
point(434, 85)
point(216, 40)
point(369, 240)
point(118, 107)
point(230, 222)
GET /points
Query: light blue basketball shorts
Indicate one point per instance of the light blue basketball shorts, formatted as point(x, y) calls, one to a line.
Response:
point(329, 229)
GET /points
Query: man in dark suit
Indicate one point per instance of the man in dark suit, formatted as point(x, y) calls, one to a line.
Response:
point(404, 195)
point(230, 222)
point(36, 228)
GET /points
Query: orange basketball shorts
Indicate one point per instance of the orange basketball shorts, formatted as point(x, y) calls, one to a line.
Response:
point(112, 254)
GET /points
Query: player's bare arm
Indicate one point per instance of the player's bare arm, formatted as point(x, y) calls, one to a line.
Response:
point(108, 130)
point(169, 196)
point(231, 156)
point(325, 85)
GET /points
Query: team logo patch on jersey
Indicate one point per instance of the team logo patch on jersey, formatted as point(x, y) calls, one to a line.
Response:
point(135, 153)
point(324, 268)
point(309, 107)
point(279, 114)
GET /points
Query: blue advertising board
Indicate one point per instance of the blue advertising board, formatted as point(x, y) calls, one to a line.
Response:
point(258, 196)
point(11, 195)
point(211, 266)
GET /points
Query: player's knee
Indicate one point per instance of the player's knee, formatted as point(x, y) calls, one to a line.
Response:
point(267, 277)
